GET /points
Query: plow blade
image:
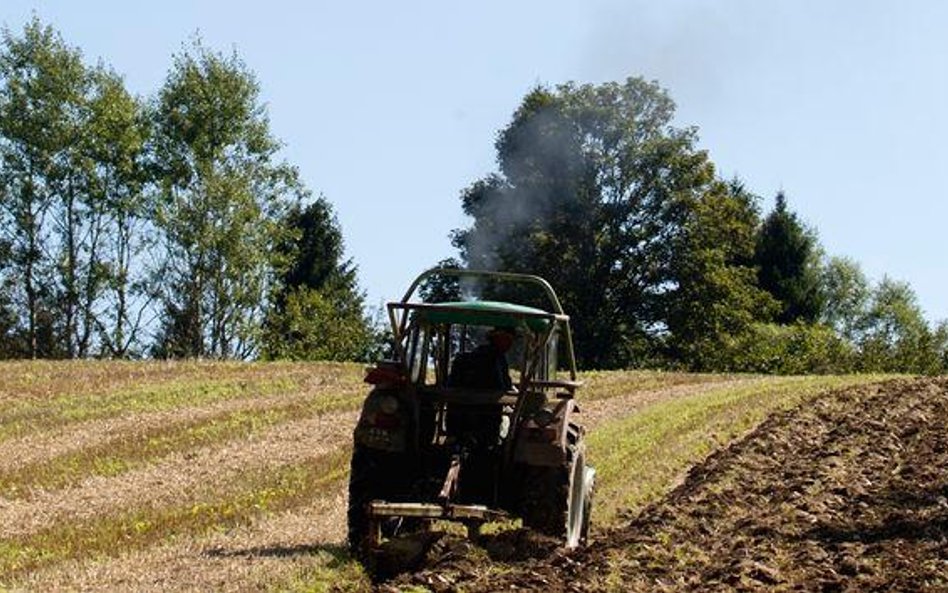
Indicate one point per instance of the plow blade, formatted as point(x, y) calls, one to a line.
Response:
point(403, 552)
point(380, 510)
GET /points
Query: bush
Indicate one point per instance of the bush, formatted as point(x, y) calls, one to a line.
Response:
point(795, 349)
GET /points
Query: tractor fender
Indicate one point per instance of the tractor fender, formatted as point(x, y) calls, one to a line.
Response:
point(548, 443)
point(385, 421)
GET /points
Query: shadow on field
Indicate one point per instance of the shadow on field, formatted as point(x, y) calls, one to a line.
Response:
point(339, 553)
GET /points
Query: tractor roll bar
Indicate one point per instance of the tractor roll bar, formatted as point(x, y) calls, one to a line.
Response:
point(503, 276)
point(512, 277)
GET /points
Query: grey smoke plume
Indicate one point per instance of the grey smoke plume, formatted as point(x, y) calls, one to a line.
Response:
point(539, 154)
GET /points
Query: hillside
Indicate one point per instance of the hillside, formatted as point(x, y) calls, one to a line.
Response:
point(226, 476)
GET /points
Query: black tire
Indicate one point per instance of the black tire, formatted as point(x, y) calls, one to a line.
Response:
point(544, 494)
point(373, 475)
point(555, 502)
point(361, 490)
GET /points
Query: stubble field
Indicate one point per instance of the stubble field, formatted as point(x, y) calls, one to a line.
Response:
point(232, 477)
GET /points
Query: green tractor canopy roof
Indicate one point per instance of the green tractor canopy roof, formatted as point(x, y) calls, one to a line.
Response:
point(492, 313)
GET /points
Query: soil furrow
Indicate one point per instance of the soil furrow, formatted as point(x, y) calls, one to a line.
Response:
point(845, 493)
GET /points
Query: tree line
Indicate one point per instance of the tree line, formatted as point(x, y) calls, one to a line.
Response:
point(661, 263)
point(161, 226)
point(168, 226)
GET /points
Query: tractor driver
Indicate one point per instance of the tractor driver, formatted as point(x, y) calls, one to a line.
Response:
point(485, 366)
point(500, 339)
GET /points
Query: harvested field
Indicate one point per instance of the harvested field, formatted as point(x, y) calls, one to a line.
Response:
point(846, 493)
point(232, 477)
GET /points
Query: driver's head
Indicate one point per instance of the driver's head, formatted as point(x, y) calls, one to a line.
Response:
point(502, 337)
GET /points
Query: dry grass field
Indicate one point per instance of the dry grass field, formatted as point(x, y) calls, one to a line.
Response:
point(208, 476)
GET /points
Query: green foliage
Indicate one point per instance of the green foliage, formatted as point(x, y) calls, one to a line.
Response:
point(897, 338)
point(883, 324)
point(796, 349)
point(314, 250)
point(602, 196)
point(316, 311)
point(71, 143)
point(847, 293)
point(42, 84)
point(717, 300)
point(115, 147)
point(115, 212)
point(318, 325)
point(442, 289)
point(786, 256)
point(221, 193)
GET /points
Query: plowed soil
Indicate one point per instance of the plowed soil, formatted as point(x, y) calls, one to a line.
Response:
point(848, 492)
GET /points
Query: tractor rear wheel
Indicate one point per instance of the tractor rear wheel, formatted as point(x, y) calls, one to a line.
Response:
point(361, 491)
point(373, 475)
point(557, 501)
point(577, 512)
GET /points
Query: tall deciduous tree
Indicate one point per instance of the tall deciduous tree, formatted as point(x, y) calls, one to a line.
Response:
point(42, 87)
point(846, 294)
point(599, 193)
point(716, 299)
point(10, 339)
point(70, 137)
point(116, 296)
point(221, 192)
point(787, 258)
point(897, 337)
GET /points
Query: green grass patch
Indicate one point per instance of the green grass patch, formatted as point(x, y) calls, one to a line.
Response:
point(330, 570)
point(638, 458)
point(195, 385)
point(607, 384)
point(256, 493)
point(116, 456)
point(30, 416)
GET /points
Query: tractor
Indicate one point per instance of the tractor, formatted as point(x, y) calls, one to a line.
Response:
point(472, 420)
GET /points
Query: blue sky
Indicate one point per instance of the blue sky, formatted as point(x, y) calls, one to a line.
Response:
point(390, 109)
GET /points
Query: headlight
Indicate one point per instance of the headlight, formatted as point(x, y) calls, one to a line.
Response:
point(388, 404)
point(543, 417)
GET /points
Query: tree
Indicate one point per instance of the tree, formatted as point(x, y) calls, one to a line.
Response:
point(599, 193)
point(316, 311)
point(897, 338)
point(71, 140)
point(122, 236)
point(846, 294)
point(442, 289)
point(42, 85)
point(787, 259)
point(313, 250)
point(10, 346)
point(221, 193)
point(716, 301)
